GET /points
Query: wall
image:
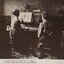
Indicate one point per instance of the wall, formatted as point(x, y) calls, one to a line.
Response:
point(10, 5)
point(1, 7)
point(51, 6)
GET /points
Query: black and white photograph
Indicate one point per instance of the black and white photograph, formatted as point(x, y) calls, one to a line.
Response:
point(32, 29)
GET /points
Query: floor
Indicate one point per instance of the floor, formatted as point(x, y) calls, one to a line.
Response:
point(17, 55)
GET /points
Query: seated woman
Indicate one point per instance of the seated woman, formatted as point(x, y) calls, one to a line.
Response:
point(16, 31)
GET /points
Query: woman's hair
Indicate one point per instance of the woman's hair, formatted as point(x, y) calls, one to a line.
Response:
point(16, 12)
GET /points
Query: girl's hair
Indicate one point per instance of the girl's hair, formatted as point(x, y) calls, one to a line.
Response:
point(16, 12)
